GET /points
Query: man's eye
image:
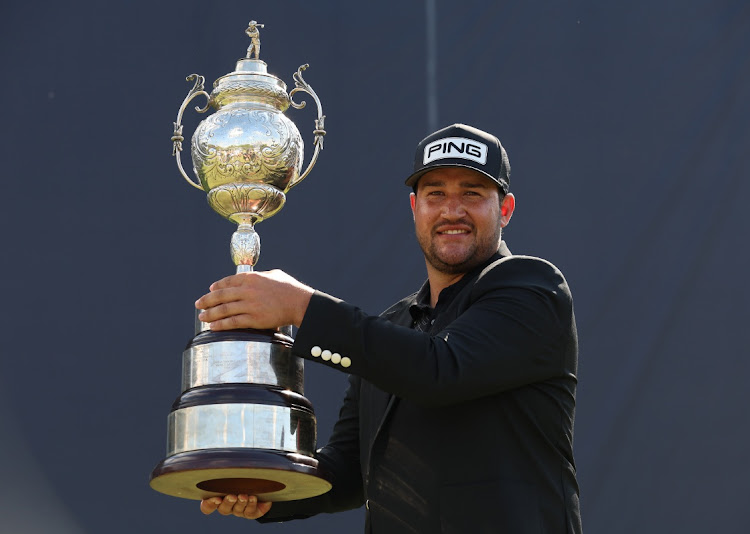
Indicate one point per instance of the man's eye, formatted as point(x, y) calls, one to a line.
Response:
point(435, 193)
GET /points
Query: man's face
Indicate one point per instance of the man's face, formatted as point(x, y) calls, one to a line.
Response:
point(458, 218)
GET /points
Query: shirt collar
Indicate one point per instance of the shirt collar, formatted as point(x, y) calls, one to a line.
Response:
point(421, 303)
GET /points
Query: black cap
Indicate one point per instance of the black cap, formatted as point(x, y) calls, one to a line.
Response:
point(460, 145)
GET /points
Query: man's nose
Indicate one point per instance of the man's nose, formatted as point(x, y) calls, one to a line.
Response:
point(453, 208)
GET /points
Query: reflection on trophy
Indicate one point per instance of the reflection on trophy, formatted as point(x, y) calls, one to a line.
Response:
point(242, 423)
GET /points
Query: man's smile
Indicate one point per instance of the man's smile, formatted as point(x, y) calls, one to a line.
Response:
point(453, 230)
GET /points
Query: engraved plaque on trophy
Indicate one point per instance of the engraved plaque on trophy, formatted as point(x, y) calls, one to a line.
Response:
point(242, 423)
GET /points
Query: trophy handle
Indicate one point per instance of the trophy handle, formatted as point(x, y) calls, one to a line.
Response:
point(177, 137)
point(302, 86)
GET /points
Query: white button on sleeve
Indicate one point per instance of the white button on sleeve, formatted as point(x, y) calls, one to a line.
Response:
point(336, 358)
point(345, 362)
point(326, 355)
point(315, 351)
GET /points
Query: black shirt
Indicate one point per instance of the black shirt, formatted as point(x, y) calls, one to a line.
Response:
point(423, 315)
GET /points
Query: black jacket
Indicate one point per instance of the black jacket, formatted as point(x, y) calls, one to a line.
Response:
point(465, 428)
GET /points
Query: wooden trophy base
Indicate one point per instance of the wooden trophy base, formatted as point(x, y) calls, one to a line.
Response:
point(269, 475)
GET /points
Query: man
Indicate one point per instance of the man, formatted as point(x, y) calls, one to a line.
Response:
point(459, 413)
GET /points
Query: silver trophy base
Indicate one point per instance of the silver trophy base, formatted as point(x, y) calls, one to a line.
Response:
point(242, 424)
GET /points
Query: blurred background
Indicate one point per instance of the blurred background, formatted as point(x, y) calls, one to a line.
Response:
point(627, 126)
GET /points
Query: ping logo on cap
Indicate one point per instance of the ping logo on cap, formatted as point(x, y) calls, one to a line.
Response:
point(455, 147)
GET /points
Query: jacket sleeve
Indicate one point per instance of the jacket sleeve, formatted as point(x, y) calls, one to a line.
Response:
point(339, 462)
point(518, 328)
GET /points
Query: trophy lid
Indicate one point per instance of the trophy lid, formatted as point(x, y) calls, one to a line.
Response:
point(250, 82)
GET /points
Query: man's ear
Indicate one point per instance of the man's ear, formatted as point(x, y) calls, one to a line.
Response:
point(413, 202)
point(507, 207)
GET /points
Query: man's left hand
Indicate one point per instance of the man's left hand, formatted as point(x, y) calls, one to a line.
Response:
point(259, 300)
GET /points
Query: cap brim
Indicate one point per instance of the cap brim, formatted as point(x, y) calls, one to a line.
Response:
point(412, 180)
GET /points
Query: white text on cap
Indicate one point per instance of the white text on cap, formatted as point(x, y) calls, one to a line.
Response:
point(455, 147)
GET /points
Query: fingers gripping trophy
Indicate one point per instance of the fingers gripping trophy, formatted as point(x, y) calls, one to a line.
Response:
point(242, 424)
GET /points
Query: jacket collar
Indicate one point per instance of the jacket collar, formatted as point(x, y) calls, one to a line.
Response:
point(421, 300)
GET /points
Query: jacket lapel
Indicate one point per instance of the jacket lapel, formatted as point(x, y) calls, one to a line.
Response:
point(382, 401)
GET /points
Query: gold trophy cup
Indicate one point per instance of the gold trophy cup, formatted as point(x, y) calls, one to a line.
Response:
point(242, 424)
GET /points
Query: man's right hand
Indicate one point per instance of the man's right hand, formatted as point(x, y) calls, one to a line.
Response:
point(246, 506)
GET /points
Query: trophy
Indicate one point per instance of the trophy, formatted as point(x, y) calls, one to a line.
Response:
point(242, 424)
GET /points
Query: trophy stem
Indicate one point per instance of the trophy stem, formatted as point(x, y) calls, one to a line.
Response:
point(245, 247)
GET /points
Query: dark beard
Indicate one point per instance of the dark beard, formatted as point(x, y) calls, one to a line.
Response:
point(479, 254)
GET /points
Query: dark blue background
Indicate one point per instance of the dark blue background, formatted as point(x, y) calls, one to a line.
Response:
point(627, 126)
